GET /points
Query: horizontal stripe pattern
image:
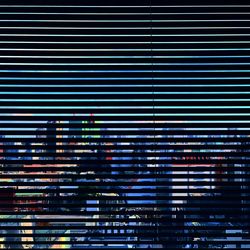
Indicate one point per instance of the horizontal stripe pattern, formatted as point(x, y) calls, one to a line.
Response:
point(124, 124)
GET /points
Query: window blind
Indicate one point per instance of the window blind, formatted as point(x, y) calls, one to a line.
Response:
point(124, 124)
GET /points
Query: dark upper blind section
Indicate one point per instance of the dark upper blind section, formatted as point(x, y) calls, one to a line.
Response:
point(124, 124)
